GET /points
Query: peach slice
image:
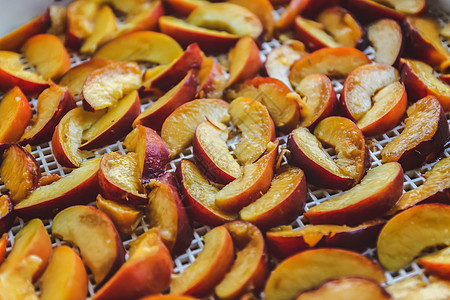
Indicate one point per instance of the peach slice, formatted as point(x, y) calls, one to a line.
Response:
point(152, 152)
point(114, 124)
point(3, 244)
point(263, 9)
point(244, 61)
point(282, 203)
point(299, 7)
point(183, 7)
point(53, 104)
point(378, 192)
point(48, 179)
point(373, 98)
point(79, 187)
point(369, 10)
point(155, 115)
point(436, 188)
point(335, 62)
point(149, 267)
point(147, 46)
point(286, 242)
point(167, 213)
point(425, 134)
point(16, 112)
point(6, 217)
point(125, 217)
point(80, 22)
point(47, 53)
point(199, 195)
point(105, 86)
point(256, 126)
point(68, 134)
point(311, 268)
point(58, 20)
point(256, 179)
point(20, 172)
point(178, 133)
point(103, 30)
point(211, 265)
point(211, 79)
point(65, 277)
point(95, 235)
point(420, 81)
point(407, 7)
point(347, 288)
point(275, 96)
point(437, 263)
point(414, 288)
point(144, 17)
point(318, 99)
point(348, 141)
point(410, 232)
point(119, 179)
point(313, 34)
point(387, 39)
point(250, 268)
point(211, 152)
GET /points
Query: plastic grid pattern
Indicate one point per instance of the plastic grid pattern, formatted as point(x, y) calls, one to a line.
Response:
point(412, 178)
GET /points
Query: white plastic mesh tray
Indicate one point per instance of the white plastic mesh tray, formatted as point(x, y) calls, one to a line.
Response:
point(412, 179)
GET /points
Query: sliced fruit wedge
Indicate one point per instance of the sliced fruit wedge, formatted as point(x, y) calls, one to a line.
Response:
point(80, 22)
point(406, 6)
point(3, 244)
point(313, 34)
point(437, 263)
point(16, 112)
point(263, 9)
point(104, 28)
point(369, 10)
point(211, 79)
point(143, 17)
point(6, 221)
point(387, 40)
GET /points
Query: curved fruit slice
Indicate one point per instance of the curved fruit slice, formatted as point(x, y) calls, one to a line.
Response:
point(245, 61)
point(119, 179)
point(155, 115)
point(103, 30)
point(405, 6)
point(286, 242)
point(318, 99)
point(313, 34)
point(105, 86)
point(436, 188)
point(263, 9)
point(211, 265)
point(143, 17)
point(199, 195)
point(437, 263)
point(410, 232)
point(211, 79)
point(414, 288)
point(20, 172)
point(282, 203)
point(152, 152)
point(47, 53)
point(53, 104)
point(311, 268)
point(6, 218)
point(167, 213)
point(378, 192)
point(256, 126)
point(95, 235)
point(79, 187)
point(250, 268)
point(370, 11)
point(149, 267)
point(114, 124)
point(275, 96)
point(80, 22)
point(179, 127)
point(65, 276)
point(387, 40)
point(211, 152)
point(3, 244)
point(335, 62)
point(16, 114)
point(147, 46)
point(425, 134)
point(347, 288)
point(254, 181)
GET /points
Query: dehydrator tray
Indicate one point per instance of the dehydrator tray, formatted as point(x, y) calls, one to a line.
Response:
point(412, 178)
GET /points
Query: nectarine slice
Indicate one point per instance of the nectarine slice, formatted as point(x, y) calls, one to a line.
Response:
point(95, 235)
point(103, 30)
point(244, 61)
point(16, 114)
point(80, 22)
point(263, 9)
point(410, 232)
point(179, 127)
point(211, 265)
point(65, 277)
point(406, 6)
point(79, 187)
point(143, 17)
point(437, 263)
point(313, 34)
point(6, 214)
point(211, 79)
point(282, 203)
point(311, 268)
point(387, 40)
point(370, 10)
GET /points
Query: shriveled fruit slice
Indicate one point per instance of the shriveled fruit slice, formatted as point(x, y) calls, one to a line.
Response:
point(79, 187)
point(283, 202)
point(20, 172)
point(387, 40)
point(6, 218)
point(250, 268)
point(16, 114)
point(179, 127)
point(105, 86)
point(80, 22)
point(437, 263)
point(256, 126)
point(244, 61)
point(410, 232)
point(211, 265)
point(103, 30)
point(425, 134)
point(119, 178)
point(311, 268)
point(95, 235)
point(255, 180)
point(53, 104)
